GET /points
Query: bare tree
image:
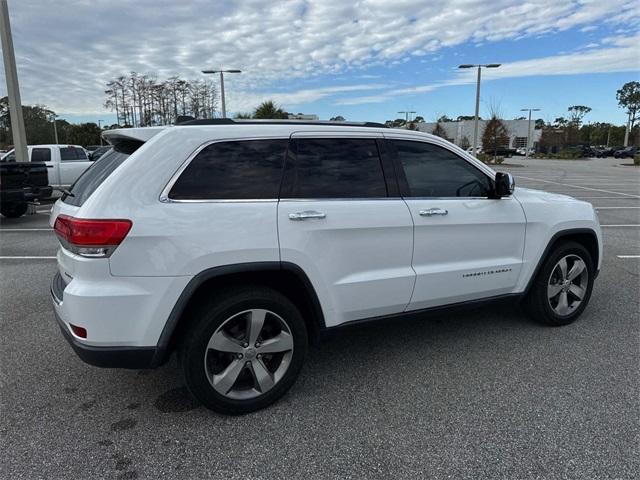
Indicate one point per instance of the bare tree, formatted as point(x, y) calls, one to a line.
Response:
point(142, 100)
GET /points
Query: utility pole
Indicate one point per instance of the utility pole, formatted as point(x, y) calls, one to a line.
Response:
point(55, 128)
point(526, 155)
point(100, 128)
point(477, 115)
point(13, 89)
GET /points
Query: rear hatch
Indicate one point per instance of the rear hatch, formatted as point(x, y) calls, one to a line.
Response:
point(124, 144)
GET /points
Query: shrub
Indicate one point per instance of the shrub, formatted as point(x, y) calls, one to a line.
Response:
point(636, 159)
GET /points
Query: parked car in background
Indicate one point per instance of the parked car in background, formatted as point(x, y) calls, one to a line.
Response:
point(91, 148)
point(627, 152)
point(98, 152)
point(65, 163)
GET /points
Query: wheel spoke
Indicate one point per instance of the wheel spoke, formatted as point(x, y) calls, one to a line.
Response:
point(262, 376)
point(280, 343)
point(563, 267)
point(563, 304)
point(553, 290)
point(577, 269)
point(577, 290)
point(255, 321)
point(221, 342)
point(223, 382)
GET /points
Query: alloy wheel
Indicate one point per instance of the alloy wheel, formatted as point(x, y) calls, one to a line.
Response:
point(567, 285)
point(248, 354)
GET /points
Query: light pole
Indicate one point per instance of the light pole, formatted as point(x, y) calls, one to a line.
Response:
point(475, 123)
point(222, 72)
point(55, 127)
point(526, 155)
point(406, 114)
point(13, 89)
point(100, 128)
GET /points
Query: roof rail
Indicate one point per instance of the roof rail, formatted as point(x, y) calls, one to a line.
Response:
point(230, 121)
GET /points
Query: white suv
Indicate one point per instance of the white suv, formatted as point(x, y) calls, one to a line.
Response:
point(237, 243)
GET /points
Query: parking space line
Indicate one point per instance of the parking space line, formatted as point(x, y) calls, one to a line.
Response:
point(628, 256)
point(583, 188)
point(620, 225)
point(27, 257)
point(26, 229)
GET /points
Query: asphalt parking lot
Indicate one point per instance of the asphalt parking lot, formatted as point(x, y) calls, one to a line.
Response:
point(476, 394)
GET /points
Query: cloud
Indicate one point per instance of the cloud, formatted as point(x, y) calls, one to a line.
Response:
point(622, 55)
point(67, 51)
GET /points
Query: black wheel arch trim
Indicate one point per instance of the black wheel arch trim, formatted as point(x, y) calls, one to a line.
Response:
point(162, 350)
point(554, 238)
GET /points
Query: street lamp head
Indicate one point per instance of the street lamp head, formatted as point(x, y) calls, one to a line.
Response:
point(222, 71)
point(493, 65)
point(466, 65)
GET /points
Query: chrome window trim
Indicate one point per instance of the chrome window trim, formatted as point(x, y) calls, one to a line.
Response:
point(164, 195)
point(450, 198)
point(338, 199)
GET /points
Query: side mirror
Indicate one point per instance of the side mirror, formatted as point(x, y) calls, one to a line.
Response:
point(505, 184)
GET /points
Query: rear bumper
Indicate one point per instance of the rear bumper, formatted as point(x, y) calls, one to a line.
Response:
point(109, 357)
point(101, 356)
point(27, 194)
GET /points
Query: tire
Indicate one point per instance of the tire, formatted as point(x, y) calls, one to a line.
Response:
point(543, 304)
point(13, 210)
point(204, 359)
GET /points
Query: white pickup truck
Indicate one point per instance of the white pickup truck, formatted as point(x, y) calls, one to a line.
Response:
point(65, 162)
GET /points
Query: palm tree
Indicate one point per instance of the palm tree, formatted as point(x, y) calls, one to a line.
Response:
point(269, 110)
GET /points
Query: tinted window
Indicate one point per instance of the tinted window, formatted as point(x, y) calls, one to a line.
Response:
point(250, 169)
point(433, 171)
point(334, 168)
point(41, 155)
point(72, 153)
point(98, 172)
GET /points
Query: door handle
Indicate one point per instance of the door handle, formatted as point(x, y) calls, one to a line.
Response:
point(430, 212)
point(307, 214)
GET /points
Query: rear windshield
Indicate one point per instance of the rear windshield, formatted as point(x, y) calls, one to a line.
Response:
point(97, 173)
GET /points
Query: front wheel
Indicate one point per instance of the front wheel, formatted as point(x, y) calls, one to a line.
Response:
point(562, 288)
point(13, 210)
point(244, 350)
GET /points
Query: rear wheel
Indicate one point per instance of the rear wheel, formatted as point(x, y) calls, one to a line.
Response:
point(13, 210)
point(562, 288)
point(244, 351)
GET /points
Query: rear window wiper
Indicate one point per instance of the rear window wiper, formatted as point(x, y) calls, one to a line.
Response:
point(65, 191)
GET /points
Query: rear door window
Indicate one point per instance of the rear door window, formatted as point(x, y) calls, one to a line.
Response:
point(248, 169)
point(99, 171)
point(70, 154)
point(334, 168)
point(41, 155)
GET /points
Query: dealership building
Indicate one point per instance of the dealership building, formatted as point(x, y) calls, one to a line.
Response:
point(456, 132)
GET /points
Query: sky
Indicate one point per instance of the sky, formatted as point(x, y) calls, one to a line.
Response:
point(363, 60)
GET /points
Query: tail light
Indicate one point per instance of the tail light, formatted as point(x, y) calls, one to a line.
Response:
point(91, 238)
